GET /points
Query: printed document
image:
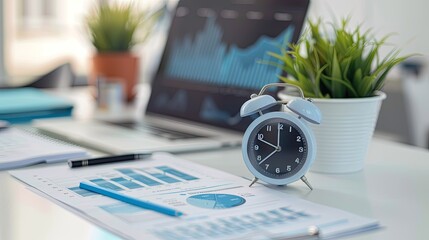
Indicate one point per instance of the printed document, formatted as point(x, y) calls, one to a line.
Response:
point(217, 205)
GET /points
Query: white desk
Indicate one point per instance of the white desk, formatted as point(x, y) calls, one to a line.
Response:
point(393, 187)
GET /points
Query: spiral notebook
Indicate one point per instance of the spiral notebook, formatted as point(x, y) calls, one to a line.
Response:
point(21, 148)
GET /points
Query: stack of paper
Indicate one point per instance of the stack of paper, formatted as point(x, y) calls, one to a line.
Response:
point(217, 205)
point(21, 148)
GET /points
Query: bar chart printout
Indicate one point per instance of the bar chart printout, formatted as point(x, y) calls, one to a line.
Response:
point(217, 205)
point(138, 178)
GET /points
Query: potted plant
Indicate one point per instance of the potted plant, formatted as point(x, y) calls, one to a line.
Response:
point(343, 74)
point(114, 30)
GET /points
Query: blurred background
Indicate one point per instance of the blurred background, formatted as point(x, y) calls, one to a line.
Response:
point(38, 36)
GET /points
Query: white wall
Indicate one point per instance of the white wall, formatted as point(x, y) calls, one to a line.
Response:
point(334, 10)
point(407, 20)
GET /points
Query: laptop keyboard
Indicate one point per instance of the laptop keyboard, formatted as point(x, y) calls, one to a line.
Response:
point(157, 131)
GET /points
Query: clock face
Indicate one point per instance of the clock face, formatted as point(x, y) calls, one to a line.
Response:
point(277, 148)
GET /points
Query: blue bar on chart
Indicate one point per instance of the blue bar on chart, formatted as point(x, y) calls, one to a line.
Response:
point(277, 216)
point(241, 222)
point(126, 183)
point(82, 192)
point(161, 176)
point(103, 183)
point(138, 177)
point(177, 173)
point(228, 226)
point(295, 214)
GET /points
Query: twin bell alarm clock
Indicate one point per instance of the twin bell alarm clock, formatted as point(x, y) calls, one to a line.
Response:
point(279, 147)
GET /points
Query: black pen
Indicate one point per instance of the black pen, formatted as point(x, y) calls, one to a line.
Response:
point(108, 159)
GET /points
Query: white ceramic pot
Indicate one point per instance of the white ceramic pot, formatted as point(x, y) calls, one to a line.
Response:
point(345, 133)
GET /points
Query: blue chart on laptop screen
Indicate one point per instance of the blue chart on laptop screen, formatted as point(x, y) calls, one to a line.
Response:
point(204, 58)
point(217, 55)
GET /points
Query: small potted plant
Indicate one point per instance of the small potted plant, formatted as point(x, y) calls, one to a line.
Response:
point(343, 74)
point(114, 30)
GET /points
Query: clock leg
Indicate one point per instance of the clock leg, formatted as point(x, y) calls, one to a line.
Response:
point(253, 181)
point(304, 179)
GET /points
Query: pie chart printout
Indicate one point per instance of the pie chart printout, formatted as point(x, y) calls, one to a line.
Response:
point(216, 201)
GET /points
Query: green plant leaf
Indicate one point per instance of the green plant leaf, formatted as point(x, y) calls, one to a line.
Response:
point(115, 27)
point(378, 84)
point(337, 86)
point(357, 79)
point(298, 84)
point(344, 65)
point(344, 83)
point(288, 65)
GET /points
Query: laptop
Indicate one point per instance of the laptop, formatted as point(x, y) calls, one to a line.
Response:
point(210, 66)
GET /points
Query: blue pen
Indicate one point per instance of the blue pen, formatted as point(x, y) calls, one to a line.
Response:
point(130, 200)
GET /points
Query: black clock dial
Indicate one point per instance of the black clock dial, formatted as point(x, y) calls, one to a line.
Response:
point(277, 148)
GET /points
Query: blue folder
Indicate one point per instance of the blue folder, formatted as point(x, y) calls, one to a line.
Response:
point(22, 105)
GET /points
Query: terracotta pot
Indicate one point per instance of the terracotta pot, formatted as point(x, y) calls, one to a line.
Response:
point(122, 67)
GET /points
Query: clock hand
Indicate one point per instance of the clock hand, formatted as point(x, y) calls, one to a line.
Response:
point(263, 160)
point(278, 135)
point(272, 145)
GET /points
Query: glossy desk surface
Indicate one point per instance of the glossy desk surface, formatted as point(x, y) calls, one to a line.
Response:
point(393, 188)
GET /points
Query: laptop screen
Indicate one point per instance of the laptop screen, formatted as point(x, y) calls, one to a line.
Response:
point(213, 57)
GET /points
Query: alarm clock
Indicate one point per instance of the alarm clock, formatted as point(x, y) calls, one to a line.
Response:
point(279, 147)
